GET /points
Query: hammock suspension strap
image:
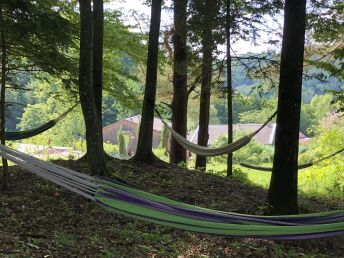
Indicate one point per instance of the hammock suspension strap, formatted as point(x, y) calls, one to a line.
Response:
point(301, 166)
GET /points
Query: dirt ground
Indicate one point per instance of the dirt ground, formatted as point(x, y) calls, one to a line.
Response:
point(39, 219)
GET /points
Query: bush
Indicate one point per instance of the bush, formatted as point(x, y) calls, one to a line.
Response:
point(164, 137)
point(253, 153)
point(161, 153)
point(240, 176)
point(121, 145)
point(111, 149)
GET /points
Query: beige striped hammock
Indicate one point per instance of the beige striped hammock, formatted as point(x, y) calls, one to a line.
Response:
point(209, 151)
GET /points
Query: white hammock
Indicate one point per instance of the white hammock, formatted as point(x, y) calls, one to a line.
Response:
point(211, 152)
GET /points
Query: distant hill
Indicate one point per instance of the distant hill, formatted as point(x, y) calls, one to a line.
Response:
point(311, 85)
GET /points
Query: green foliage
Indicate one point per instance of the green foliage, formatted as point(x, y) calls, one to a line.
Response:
point(111, 149)
point(259, 115)
point(164, 137)
point(327, 177)
point(193, 114)
point(324, 179)
point(240, 103)
point(16, 98)
point(339, 99)
point(161, 153)
point(51, 100)
point(311, 114)
point(124, 55)
point(253, 153)
point(314, 112)
point(240, 176)
point(327, 32)
point(39, 36)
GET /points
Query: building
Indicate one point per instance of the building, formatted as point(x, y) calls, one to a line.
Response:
point(265, 136)
point(129, 127)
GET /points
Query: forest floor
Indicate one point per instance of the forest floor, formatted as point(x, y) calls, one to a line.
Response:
point(39, 219)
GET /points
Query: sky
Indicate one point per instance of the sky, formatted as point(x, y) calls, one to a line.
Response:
point(139, 8)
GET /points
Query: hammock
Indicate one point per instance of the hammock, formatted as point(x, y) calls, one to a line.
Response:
point(210, 152)
point(299, 167)
point(138, 204)
point(12, 136)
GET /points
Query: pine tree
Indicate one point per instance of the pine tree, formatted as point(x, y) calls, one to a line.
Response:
point(144, 150)
point(94, 140)
point(97, 51)
point(229, 86)
point(29, 47)
point(180, 91)
point(208, 9)
point(282, 194)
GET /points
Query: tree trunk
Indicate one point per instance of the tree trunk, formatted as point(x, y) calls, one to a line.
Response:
point(180, 97)
point(98, 31)
point(5, 174)
point(207, 47)
point(229, 88)
point(144, 151)
point(282, 194)
point(94, 141)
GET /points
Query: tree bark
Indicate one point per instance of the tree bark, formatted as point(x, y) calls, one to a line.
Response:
point(97, 67)
point(180, 96)
point(207, 47)
point(282, 194)
point(144, 151)
point(229, 87)
point(94, 141)
point(5, 174)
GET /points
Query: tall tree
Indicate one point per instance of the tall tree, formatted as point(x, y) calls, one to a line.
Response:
point(5, 176)
point(208, 9)
point(144, 151)
point(27, 47)
point(97, 60)
point(180, 92)
point(94, 140)
point(282, 194)
point(229, 86)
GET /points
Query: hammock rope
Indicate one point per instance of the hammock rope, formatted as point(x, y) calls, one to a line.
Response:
point(129, 201)
point(301, 166)
point(211, 152)
point(13, 136)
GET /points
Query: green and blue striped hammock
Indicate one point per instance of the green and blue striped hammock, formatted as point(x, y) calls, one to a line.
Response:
point(135, 203)
point(13, 136)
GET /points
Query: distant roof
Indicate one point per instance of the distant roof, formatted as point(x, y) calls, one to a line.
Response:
point(265, 136)
point(158, 124)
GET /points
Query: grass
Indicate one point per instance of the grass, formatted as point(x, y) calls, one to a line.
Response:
point(63, 239)
point(325, 179)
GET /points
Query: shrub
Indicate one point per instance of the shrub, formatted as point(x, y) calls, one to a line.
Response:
point(164, 137)
point(121, 144)
point(253, 153)
point(111, 149)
